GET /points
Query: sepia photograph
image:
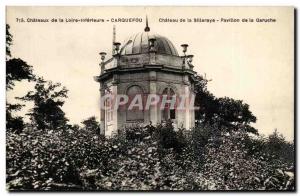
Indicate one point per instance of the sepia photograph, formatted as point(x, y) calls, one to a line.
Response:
point(150, 98)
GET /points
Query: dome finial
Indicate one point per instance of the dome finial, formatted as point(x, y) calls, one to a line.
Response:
point(147, 28)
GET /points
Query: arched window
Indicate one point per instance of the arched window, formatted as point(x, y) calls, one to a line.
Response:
point(168, 112)
point(135, 114)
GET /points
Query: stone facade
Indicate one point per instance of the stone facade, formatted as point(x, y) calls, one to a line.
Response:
point(146, 64)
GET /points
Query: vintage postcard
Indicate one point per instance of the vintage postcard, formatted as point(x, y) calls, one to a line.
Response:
point(150, 98)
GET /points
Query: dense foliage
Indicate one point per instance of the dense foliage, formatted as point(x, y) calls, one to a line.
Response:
point(48, 99)
point(223, 111)
point(16, 70)
point(144, 158)
point(91, 124)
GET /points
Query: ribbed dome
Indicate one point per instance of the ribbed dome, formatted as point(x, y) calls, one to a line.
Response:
point(139, 43)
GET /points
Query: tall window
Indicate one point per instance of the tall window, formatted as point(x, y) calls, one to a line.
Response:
point(135, 114)
point(168, 112)
point(108, 110)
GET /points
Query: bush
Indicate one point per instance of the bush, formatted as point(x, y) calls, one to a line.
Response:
point(142, 158)
point(46, 159)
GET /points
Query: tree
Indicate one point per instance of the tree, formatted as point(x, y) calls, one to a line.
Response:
point(225, 112)
point(16, 70)
point(92, 125)
point(48, 100)
point(235, 114)
point(8, 41)
point(14, 124)
point(279, 148)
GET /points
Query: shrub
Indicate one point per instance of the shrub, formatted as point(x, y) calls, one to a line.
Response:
point(142, 158)
point(46, 159)
point(230, 166)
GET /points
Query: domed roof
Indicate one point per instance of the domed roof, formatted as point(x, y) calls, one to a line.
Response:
point(139, 43)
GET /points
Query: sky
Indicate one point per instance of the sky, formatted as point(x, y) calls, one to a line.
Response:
point(250, 61)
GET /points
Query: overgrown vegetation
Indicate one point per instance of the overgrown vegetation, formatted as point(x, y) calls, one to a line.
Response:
point(202, 159)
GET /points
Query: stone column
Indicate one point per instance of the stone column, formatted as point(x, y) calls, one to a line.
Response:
point(102, 111)
point(192, 112)
point(114, 91)
point(187, 116)
point(153, 90)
